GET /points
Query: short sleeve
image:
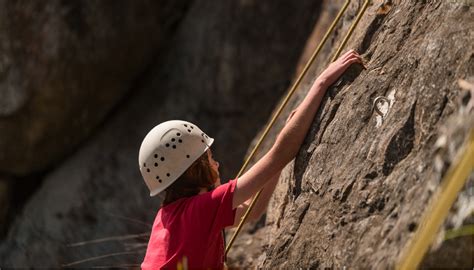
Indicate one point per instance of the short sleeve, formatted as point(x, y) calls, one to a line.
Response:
point(214, 208)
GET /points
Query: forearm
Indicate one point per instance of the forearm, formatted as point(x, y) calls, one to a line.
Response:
point(293, 133)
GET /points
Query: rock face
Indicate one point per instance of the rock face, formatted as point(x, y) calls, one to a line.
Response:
point(223, 68)
point(355, 193)
point(64, 65)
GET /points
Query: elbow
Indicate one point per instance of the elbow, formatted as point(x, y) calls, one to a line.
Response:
point(255, 217)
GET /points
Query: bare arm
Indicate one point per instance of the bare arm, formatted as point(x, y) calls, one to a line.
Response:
point(293, 133)
point(261, 205)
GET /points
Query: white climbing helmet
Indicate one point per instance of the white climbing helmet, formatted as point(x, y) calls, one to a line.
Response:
point(168, 150)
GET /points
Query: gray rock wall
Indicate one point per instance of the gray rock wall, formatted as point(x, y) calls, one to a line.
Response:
point(64, 66)
point(355, 193)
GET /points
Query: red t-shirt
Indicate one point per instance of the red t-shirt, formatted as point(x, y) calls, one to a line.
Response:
point(191, 227)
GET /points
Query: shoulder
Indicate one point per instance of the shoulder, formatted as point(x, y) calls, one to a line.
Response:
point(221, 191)
point(215, 198)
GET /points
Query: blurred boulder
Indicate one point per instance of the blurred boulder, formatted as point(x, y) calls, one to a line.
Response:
point(64, 65)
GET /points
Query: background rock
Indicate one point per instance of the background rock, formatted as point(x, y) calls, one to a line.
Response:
point(223, 68)
point(355, 193)
point(64, 65)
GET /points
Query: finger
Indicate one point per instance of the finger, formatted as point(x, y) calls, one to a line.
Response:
point(352, 61)
point(353, 57)
point(348, 55)
point(357, 56)
point(345, 55)
point(351, 54)
point(351, 51)
point(358, 60)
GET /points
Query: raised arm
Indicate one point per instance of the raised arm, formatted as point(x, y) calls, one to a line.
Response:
point(291, 136)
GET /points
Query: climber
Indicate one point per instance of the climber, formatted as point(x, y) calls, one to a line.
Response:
point(175, 159)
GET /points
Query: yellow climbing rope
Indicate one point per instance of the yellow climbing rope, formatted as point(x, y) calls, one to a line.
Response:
point(434, 216)
point(351, 30)
point(275, 116)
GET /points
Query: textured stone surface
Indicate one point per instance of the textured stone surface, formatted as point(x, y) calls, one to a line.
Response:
point(356, 191)
point(223, 68)
point(64, 65)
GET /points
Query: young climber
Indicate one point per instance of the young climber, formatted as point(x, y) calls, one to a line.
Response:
point(175, 158)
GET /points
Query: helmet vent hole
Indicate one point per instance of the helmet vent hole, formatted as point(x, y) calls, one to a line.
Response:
point(202, 140)
point(157, 177)
point(174, 146)
point(168, 174)
point(187, 156)
point(156, 155)
point(178, 134)
point(185, 125)
point(159, 180)
point(144, 164)
point(147, 170)
point(192, 127)
point(167, 145)
point(156, 164)
point(180, 141)
point(189, 130)
point(173, 139)
point(162, 159)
